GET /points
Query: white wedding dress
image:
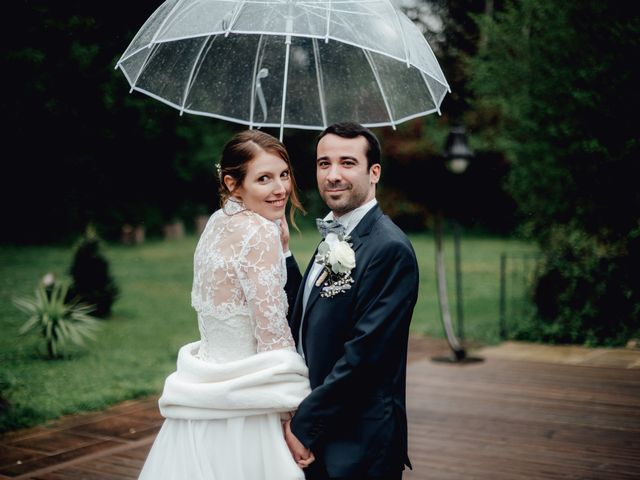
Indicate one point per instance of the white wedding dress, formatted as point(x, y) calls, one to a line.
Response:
point(223, 404)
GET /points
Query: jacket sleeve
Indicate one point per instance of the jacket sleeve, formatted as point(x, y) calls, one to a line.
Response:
point(383, 306)
point(294, 280)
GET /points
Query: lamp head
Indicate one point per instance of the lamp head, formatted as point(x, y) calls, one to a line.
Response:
point(456, 150)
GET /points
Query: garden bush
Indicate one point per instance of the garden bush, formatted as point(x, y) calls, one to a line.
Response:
point(13, 415)
point(92, 281)
point(5, 383)
point(586, 291)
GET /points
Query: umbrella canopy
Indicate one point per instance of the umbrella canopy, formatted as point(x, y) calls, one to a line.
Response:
point(286, 63)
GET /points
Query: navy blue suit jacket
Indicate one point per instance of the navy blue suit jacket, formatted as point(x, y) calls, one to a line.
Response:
point(355, 346)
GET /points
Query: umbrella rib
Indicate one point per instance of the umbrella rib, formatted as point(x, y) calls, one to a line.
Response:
point(289, 28)
point(173, 10)
point(376, 75)
point(152, 52)
point(135, 37)
point(316, 55)
point(234, 19)
point(284, 84)
point(346, 12)
point(252, 105)
point(433, 97)
point(326, 35)
point(404, 40)
point(196, 66)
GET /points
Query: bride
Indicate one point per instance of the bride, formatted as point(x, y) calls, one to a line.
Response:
point(223, 405)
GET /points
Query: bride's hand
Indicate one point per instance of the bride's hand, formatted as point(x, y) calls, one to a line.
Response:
point(302, 455)
point(284, 233)
point(304, 463)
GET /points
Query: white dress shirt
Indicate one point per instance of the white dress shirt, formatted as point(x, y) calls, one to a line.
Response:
point(350, 221)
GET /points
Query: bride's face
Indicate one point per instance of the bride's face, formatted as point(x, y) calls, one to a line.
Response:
point(266, 186)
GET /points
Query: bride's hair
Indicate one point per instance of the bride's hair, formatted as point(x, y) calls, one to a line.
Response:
point(240, 150)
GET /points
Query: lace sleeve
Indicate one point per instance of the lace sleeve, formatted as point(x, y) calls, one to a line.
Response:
point(262, 277)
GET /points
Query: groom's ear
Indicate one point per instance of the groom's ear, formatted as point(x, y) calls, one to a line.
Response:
point(374, 173)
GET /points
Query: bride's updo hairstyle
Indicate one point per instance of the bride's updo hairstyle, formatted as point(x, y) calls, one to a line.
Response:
point(240, 150)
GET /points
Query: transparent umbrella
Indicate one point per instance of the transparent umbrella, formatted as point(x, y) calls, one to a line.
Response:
point(286, 63)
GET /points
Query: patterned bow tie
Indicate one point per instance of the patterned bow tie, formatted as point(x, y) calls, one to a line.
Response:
point(329, 226)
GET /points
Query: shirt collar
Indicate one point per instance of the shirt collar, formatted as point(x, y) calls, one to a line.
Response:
point(351, 219)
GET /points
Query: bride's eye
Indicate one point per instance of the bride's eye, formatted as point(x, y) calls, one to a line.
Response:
point(263, 178)
point(285, 174)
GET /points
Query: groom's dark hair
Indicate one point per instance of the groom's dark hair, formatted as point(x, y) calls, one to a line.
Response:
point(353, 130)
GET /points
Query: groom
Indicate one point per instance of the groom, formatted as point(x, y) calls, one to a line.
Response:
point(353, 333)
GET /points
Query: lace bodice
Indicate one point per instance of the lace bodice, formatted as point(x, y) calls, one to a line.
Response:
point(238, 286)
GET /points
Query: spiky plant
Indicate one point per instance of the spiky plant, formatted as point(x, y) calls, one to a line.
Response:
point(59, 322)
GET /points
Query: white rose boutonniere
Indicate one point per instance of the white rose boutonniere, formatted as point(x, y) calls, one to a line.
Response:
point(338, 259)
point(342, 258)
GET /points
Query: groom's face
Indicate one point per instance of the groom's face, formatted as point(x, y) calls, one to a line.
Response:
point(345, 181)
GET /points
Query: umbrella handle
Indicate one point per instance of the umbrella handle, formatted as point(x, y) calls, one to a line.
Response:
point(263, 73)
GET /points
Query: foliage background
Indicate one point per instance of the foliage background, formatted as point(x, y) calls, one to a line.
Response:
point(556, 77)
point(546, 89)
point(87, 151)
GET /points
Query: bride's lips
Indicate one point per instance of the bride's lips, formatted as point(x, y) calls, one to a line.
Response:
point(277, 203)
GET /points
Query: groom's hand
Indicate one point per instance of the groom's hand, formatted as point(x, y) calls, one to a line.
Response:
point(302, 455)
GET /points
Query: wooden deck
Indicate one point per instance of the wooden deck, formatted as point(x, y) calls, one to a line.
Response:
point(515, 420)
point(498, 419)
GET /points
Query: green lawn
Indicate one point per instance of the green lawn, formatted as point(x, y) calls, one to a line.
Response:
point(137, 347)
point(480, 280)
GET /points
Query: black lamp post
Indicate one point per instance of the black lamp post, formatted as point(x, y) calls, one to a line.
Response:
point(457, 155)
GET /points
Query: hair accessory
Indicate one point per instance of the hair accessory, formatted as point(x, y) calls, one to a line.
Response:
point(218, 170)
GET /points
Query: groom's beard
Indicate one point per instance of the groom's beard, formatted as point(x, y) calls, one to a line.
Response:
point(342, 197)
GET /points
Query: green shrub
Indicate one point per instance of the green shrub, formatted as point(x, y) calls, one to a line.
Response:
point(92, 281)
point(12, 415)
point(55, 319)
point(5, 384)
point(586, 291)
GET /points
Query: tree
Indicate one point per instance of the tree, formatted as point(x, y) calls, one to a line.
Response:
point(556, 75)
point(83, 149)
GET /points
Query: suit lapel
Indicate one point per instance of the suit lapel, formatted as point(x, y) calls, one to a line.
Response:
point(364, 227)
point(357, 239)
point(313, 297)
